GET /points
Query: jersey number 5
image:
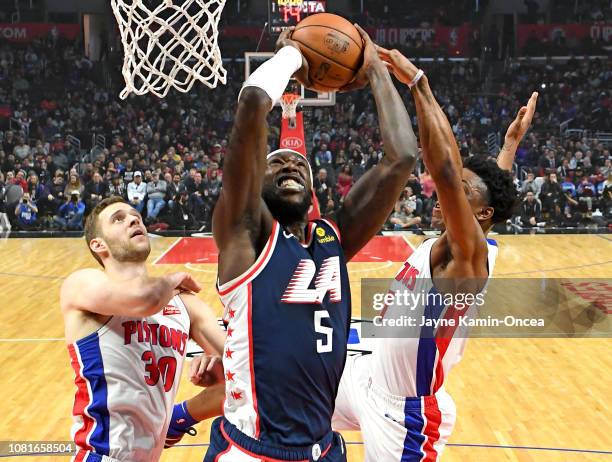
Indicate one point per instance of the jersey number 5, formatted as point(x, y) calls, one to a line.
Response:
point(323, 346)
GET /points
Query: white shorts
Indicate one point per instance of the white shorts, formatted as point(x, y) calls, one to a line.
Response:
point(394, 428)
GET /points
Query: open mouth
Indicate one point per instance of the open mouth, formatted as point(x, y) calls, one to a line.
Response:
point(138, 232)
point(290, 183)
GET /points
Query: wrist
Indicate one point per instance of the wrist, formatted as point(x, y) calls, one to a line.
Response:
point(376, 70)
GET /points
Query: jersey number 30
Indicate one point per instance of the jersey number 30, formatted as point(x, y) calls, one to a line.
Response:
point(328, 280)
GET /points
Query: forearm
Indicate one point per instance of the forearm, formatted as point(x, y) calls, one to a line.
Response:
point(440, 152)
point(395, 126)
point(208, 403)
point(505, 158)
point(145, 295)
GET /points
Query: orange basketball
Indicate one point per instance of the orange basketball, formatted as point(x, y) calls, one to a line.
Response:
point(333, 48)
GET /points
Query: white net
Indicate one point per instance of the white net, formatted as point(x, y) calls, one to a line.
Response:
point(169, 44)
point(289, 103)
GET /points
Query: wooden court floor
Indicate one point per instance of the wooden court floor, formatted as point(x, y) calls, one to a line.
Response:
point(541, 393)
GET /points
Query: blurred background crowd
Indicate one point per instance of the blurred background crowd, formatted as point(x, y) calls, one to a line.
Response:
point(67, 141)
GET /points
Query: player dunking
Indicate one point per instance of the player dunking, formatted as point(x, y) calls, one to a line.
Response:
point(127, 336)
point(283, 280)
point(395, 396)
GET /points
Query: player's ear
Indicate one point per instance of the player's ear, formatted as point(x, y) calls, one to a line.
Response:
point(98, 246)
point(485, 213)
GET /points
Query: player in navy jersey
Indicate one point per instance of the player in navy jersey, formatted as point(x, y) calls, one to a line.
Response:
point(283, 280)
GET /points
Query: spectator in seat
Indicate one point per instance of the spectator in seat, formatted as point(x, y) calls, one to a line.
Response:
point(117, 187)
point(181, 216)
point(551, 194)
point(323, 158)
point(323, 187)
point(410, 202)
point(548, 162)
point(586, 194)
point(13, 193)
point(563, 171)
point(74, 184)
point(531, 210)
point(345, 181)
point(70, 213)
point(136, 192)
point(174, 188)
point(5, 224)
point(21, 150)
point(194, 183)
point(571, 213)
point(156, 193)
point(95, 191)
point(401, 219)
point(529, 185)
point(36, 189)
point(329, 208)
point(213, 183)
point(21, 181)
point(26, 213)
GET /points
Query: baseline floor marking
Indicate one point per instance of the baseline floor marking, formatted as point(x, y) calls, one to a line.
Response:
point(167, 250)
point(544, 270)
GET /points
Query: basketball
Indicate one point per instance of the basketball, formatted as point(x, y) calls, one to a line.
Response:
point(333, 48)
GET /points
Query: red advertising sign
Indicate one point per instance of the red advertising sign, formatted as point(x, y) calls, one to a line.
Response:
point(26, 32)
point(551, 32)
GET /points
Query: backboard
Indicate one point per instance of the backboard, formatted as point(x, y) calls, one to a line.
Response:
point(252, 60)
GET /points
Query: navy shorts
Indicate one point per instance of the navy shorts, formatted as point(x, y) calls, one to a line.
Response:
point(228, 444)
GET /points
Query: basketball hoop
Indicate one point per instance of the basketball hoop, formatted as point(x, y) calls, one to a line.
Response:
point(169, 44)
point(289, 103)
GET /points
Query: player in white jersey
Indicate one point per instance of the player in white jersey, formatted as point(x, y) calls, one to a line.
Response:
point(127, 336)
point(396, 396)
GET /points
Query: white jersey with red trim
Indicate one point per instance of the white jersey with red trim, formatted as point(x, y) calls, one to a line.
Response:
point(416, 364)
point(127, 374)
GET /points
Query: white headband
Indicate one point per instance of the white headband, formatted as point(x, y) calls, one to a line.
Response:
point(278, 151)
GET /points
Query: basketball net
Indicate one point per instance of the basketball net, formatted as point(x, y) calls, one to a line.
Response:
point(171, 45)
point(292, 137)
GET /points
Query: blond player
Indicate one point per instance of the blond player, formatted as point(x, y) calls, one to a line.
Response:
point(127, 337)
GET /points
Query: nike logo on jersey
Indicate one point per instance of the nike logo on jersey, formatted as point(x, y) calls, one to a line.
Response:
point(170, 310)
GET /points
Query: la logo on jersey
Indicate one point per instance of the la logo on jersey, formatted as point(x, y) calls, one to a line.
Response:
point(328, 280)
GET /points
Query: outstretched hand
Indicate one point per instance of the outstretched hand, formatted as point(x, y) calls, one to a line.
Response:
point(401, 67)
point(302, 75)
point(370, 59)
point(206, 370)
point(522, 121)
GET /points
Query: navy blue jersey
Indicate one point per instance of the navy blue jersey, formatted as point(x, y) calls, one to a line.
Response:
point(287, 321)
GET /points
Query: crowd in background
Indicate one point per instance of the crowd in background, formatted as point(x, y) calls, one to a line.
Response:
point(166, 156)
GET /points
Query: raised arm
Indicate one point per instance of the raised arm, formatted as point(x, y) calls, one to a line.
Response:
point(515, 133)
point(93, 291)
point(442, 159)
point(240, 222)
point(370, 201)
point(205, 329)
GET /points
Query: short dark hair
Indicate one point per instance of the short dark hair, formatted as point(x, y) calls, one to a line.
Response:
point(501, 191)
point(92, 229)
